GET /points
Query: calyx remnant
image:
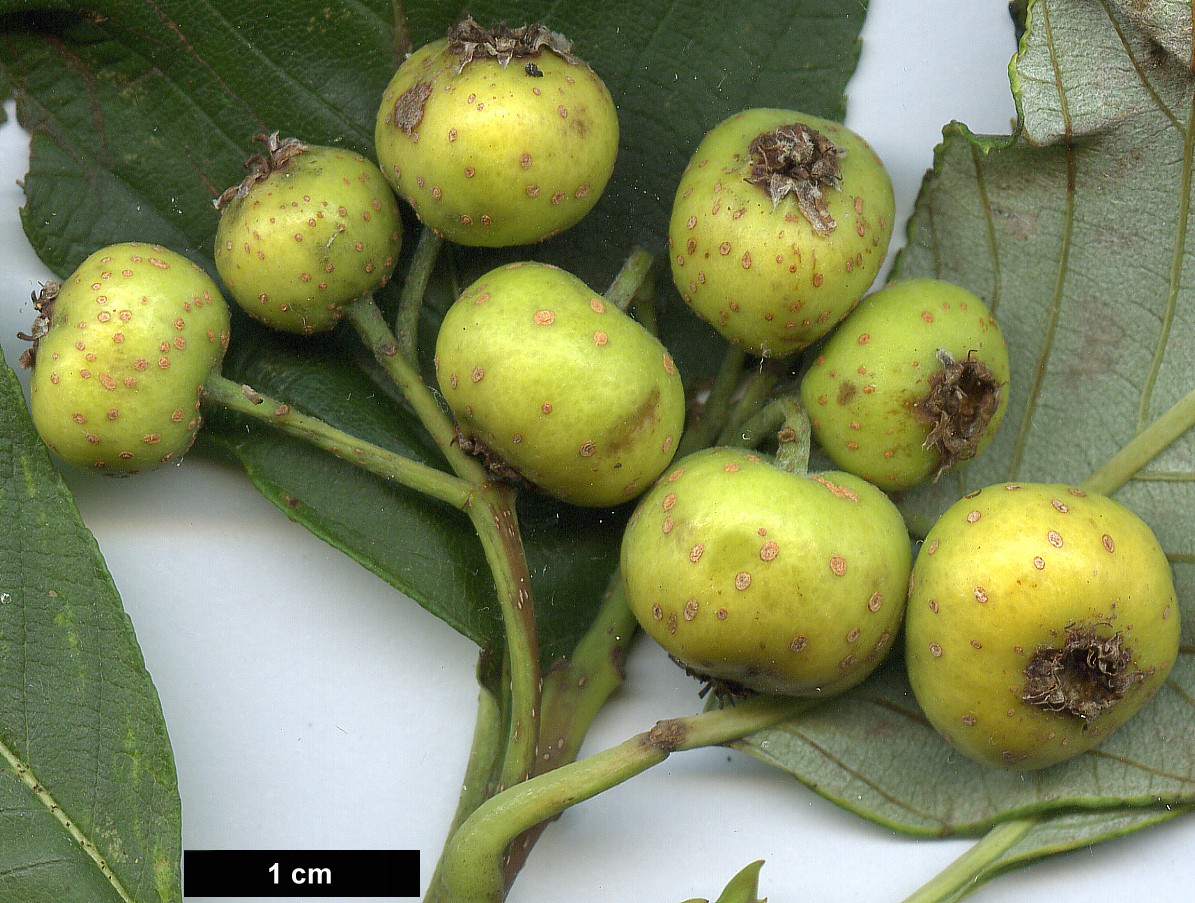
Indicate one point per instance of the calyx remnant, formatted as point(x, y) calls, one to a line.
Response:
point(279, 151)
point(469, 41)
point(43, 303)
point(962, 398)
point(1087, 676)
point(795, 159)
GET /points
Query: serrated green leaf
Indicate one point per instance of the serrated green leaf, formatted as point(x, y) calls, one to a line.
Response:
point(143, 112)
point(87, 781)
point(1080, 247)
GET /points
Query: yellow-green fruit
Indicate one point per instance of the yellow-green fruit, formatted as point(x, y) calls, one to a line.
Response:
point(133, 335)
point(1041, 617)
point(564, 387)
point(494, 152)
point(784, 583)
point(914, 381)
point(780, 223)
point(311, 230)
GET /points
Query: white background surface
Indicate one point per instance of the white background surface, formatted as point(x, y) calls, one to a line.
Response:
point(310, 706)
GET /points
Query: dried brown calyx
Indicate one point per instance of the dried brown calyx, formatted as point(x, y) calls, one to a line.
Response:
point(1086, 677)
point(495, 464)
point(795, 159)
point(963, 396)
point(279, 152)
point(43, 303)
point(469, 41)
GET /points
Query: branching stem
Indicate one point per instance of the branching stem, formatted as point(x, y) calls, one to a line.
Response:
point(406, 327)
point(473, 863)
point(492, 513)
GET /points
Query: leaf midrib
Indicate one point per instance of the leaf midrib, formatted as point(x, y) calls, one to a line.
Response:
point(43, 796)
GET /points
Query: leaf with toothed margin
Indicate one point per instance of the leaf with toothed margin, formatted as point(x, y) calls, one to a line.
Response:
point(87, 782)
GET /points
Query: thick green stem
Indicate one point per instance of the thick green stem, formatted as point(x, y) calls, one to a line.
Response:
point(387, 464)
point(574, 692)
point(406, 327)
point(473, 864)
point(952, 882)
point(707, 420)
point(630, 279)
point(1144, 447)
point(494, 520)
point(365, 317)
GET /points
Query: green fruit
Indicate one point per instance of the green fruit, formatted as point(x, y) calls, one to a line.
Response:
point(308, 231)
point(122, 353)
point(562, 386)
point(912, 382)
point(783, 583)
point(498, 137)
point(1040, 618)
point(780, 224)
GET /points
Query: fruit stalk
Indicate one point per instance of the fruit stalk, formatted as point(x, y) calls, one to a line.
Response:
point(630, 279)
point(492, 512)
point(707, 420)
point(473, 863)
point(406, 326)
point(367, 319)
point(794, 437)
point(755, 395)
point(386, 464)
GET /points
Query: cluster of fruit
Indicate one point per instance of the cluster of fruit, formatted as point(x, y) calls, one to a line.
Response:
point(1037, 617)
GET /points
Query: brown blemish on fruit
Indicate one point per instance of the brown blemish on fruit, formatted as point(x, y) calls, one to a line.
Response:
point(846, 392)
point(973, 516)
point(1108, 543)
point(769, 550)
point(544, 318)
point(962, 399)
point(742, 580)
point(876, 600)
point(696, 552)
point(1085, 678)
point(690, 610)
point(981, 595)
point(1054, 538)
point(837, 565)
